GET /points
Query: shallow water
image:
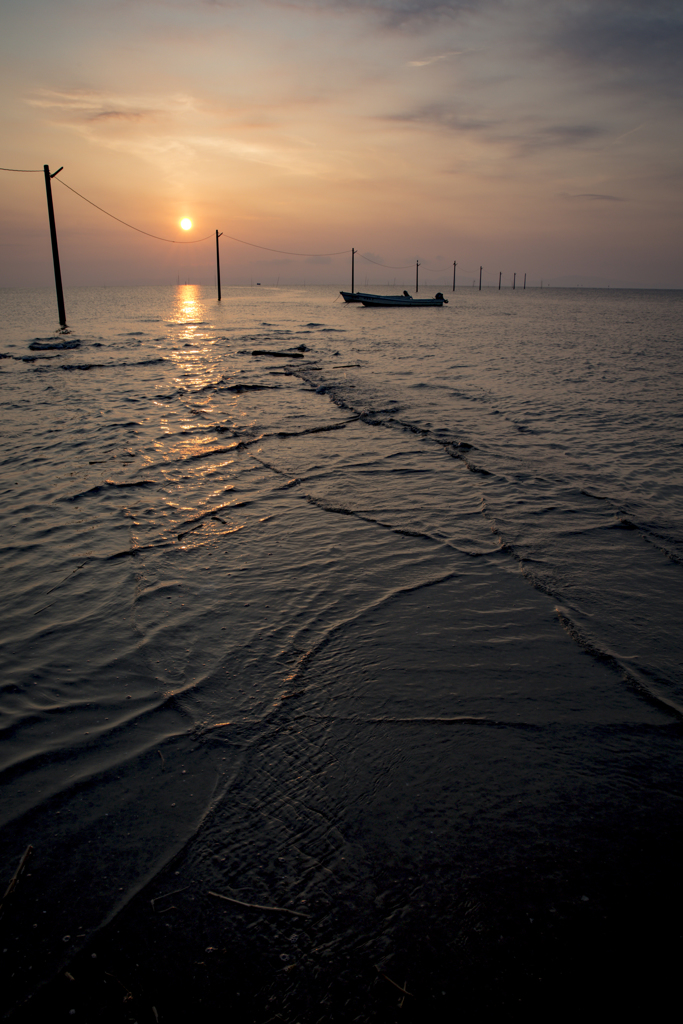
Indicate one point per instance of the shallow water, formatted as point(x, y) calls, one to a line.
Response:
point(348, 624)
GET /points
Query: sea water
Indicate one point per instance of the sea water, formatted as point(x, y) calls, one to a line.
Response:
point(345, 627)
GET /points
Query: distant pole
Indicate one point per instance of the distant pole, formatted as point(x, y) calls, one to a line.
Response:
point(500, 275)
point(514, 281)
point(417, 284)
point(353, 268)
point(480, 270)
point(55, 250)
point(455, 263)
point(218, 264)
point(523, 289)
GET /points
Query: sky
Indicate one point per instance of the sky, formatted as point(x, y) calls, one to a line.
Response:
point(538, 137)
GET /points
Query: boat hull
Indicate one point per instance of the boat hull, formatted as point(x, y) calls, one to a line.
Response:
point(359, 296)
point(387, 301)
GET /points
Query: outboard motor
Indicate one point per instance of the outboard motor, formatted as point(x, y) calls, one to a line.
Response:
point(439, 295)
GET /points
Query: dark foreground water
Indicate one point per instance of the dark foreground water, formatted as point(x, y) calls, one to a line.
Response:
point(383, 635)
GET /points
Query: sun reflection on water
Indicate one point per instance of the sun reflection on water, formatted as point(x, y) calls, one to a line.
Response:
point(187, 426)
point(188, 310)
point(193, 336)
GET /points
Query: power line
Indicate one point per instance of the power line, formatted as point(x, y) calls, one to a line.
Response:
point(182, 241)
point(174, 241)
point(409, 266)
point(241, 241)
point(284, 252)
point(388, 266)
point(190, 241)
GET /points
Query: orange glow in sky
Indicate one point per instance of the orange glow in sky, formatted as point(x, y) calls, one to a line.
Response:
point(541, 138)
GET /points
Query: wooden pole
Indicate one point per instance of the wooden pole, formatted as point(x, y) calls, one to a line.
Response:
point(500, 275)
point(417, 283)
point(480, 270)
point(455, 263)
point(218, 264)
point(55, 250)
point(353, 267)
point(514, 281)
point(524, 289)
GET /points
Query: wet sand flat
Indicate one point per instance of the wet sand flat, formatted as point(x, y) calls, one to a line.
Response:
point(339, 689)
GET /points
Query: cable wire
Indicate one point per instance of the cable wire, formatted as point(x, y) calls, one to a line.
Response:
point(174, 241)
point(409, 266)
point(285, 252)
point(193, 241)
point(387, 265)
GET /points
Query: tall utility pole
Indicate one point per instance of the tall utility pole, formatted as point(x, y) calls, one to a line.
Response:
point(353, 267)
point(500, 277)
point(514, 281)
point(218, 264)
point(55, 250)
point(417, 283)
point(455, 263)
point(480, 270)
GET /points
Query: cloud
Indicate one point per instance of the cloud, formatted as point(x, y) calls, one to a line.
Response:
point(638, 45)
point(91, 106)
point(629, 132)
point(527, 135)
point(558, 135)
point(122, 115)
point(395, 13)
point(443, 117)
point(592, 197)
point(432, 60)
point(633, 44)
point(635, 38)
point(391, 7)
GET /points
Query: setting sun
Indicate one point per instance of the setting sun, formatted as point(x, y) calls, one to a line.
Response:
point(186, 223)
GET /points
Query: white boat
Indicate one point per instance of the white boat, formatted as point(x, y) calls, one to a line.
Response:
point(402, 300)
